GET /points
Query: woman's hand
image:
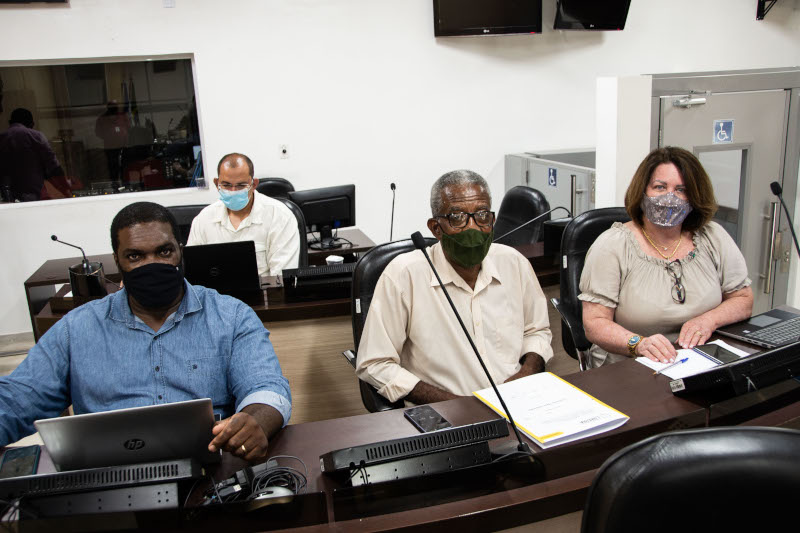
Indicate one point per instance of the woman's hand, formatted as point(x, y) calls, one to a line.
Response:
point(657, 348)
point(696, 331)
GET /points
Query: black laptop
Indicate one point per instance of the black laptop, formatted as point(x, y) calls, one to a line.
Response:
point(769, 330)
point(229, 268)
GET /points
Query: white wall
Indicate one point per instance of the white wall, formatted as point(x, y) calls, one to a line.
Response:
point(362, 92)
point(623, 124)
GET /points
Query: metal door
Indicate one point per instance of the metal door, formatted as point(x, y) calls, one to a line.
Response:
point(740, 139)
point(563, 185)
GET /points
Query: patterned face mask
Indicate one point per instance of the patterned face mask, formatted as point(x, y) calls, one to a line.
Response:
point(666, 210)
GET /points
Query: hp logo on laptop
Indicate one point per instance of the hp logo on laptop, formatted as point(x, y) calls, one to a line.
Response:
point(133, 444)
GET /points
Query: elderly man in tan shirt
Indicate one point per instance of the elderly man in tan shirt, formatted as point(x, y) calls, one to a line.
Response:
point(412, 346)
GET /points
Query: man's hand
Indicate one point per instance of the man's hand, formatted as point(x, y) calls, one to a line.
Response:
point(241, 435)
point(532, 363)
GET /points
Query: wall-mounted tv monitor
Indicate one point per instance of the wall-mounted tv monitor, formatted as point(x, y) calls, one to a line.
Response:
point(591, 14)
point(486, 17)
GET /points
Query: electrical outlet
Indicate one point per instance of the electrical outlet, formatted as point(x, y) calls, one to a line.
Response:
point(169, 3)
point(283, 149)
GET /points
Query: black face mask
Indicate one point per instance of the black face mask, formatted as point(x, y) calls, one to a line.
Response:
point(155, 285)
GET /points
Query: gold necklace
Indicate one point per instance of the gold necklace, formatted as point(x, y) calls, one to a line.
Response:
point(666, 257)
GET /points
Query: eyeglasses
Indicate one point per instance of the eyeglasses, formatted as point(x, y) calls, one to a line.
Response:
point(678, 292)
point(235, 187)
point(458, 220)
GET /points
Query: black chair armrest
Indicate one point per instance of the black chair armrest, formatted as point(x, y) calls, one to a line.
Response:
point(374, 402)
point(574, 326)
point(350, 355)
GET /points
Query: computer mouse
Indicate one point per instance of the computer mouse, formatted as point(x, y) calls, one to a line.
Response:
point(269, 496)
point(272, 492)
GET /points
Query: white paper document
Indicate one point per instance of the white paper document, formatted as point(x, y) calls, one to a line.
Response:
point(552, 411)
point(696, 362)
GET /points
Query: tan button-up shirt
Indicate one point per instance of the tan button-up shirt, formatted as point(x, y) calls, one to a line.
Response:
point(270, 225)
point(411, 333)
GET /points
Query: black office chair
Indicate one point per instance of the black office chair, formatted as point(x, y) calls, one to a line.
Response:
point(275, 187)
point(365, 277)
point(519, 205)
point(184, 214)
point(715, 479)
point(578, 236)
point(301, 227)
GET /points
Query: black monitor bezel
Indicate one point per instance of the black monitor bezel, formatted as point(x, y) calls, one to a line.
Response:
point(438, 31)
point(301, 198)
point(560, 23)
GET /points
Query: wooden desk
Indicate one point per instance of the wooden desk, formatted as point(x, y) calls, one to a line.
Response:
point(40, 287)
point(360, 243)
point(273, 309)
point(569, 469)
point(544, 264)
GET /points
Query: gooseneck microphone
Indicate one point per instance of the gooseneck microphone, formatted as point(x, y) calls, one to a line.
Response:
point(85, 261)
point(777, 190)
point(531, 221)
point(391, 224)
point(419, 243)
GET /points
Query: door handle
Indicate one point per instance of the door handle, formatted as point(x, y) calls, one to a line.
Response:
point(773, 250)
point(688, 101)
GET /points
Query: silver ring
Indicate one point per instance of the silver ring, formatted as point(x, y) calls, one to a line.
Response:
point(244, 449)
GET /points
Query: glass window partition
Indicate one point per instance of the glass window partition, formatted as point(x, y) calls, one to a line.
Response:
point(98, 128)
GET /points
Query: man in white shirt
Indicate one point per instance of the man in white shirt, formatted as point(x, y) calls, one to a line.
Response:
point(412, 346)
point(244, 214)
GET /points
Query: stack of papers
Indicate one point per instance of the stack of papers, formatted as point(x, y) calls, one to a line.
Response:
point(551, 411)
point(695, 364)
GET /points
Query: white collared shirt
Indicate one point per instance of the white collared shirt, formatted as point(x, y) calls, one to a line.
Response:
point(270, 225)
point(411, 333)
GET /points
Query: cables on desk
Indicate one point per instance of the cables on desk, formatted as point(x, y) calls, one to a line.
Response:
point(254, 481)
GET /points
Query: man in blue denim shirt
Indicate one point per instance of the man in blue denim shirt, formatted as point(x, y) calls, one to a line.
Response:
point(158, 340)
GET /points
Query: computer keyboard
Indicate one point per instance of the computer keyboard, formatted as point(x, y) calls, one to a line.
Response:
point(781, 333)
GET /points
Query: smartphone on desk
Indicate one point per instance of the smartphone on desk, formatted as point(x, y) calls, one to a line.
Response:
point(717, 353)
point(425, 418)
point(21, 461)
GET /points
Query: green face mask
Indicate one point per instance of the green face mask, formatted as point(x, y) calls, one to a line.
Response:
point(467, 248)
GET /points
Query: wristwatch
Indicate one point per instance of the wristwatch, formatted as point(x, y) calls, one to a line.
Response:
point(633, 342)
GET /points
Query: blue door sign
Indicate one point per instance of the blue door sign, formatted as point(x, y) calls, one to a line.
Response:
point(723, 131)
point(552, 179)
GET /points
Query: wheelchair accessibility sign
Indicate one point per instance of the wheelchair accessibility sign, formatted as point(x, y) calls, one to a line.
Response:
point(551, 177)
point(723, 131)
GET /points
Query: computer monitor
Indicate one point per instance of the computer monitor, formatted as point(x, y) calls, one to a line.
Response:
point(739, 377)
point(326, 209)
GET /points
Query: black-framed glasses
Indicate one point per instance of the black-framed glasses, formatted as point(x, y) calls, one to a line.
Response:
point(458, 220)
point(676, 271)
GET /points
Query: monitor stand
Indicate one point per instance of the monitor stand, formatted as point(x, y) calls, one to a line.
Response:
point(326, 239)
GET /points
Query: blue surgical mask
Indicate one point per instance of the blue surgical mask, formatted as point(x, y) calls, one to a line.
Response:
point(235, 201)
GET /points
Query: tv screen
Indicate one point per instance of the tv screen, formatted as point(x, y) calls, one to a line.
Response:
point(591, 14)
point(486, 17)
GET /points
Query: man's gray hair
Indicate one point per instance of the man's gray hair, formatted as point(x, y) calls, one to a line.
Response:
point(455, 178)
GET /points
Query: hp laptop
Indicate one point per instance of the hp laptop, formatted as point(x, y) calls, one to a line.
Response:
point(769, 330)
point(127, 436)
point(229, 268)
